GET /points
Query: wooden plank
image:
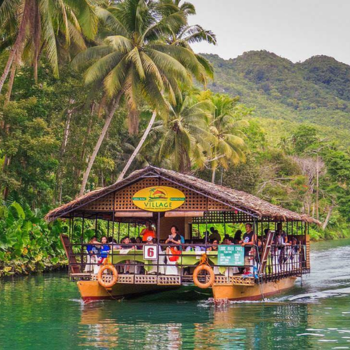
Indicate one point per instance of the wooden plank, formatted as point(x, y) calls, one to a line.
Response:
point(133, 214)
point(183, 214)
point(69, 252)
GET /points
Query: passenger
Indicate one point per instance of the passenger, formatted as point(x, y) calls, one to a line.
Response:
point(104, 250)
point(135, 267)
point(214, 247)
point(190, 247)
point(249, 239)
point(282, 233)
point(91, 248)
point(148, 231)
point(126, 245)
point(174, 237)
point(139, 243)
point(238, 237)
point(92, 252)
point(113, 243)
point(226, 239)
point(215, 235)
point(295, 253)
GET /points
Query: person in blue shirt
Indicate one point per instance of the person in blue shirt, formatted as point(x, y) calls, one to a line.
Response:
point(91, 248)
point(93, 252)
point(104, 250)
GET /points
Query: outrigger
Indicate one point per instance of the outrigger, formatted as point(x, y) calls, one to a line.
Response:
point(168, 198)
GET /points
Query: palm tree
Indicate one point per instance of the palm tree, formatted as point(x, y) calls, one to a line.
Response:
point(45, 26)
point(137, 65)
point(185, 136)
point(226, 127)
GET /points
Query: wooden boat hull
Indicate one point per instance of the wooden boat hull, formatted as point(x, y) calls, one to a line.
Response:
point(93, 291)
point(256, 292)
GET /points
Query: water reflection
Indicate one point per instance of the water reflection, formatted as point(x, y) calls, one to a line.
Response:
point(202, 325)
point(48, 314)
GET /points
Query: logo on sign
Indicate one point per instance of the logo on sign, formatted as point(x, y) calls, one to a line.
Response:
point(158, 198)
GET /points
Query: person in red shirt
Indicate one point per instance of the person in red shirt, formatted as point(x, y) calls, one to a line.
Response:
point(148, 232)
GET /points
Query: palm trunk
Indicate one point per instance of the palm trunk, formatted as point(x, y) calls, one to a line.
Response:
point(11, 81)
point(37, 36)
point(7, 68)
point(137, 149)
point(99, 143)
point(213, 176)
point(329, 214)
point(59, 189)
point(6, 164)
point(18, 45)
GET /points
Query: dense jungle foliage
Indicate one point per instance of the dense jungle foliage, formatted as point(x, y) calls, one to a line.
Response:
point(82, 90)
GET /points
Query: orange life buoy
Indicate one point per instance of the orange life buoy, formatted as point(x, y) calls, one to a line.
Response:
point(197, 270)
point(114, 279)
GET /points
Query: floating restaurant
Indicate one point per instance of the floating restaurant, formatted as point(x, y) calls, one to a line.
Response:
point(182, 246)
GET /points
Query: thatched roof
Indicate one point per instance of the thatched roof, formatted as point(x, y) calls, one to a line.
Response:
point(239, 200)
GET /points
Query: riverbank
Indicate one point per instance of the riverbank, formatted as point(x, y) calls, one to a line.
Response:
point(21, 268)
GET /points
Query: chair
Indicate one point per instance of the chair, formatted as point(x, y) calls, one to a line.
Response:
point(171, 266)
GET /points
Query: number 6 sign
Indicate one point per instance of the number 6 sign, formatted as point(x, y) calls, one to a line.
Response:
point(150, 252)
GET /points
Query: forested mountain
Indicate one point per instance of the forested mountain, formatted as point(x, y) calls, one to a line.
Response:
point(315, 91)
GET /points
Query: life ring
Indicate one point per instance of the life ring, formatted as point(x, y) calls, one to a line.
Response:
point(200, 268)
point(114, 279)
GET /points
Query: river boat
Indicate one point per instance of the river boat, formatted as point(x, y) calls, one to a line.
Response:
point(166, 198)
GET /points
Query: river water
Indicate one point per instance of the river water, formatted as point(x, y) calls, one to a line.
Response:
point(45, 312)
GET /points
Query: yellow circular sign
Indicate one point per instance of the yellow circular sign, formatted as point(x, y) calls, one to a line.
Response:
point(158, 198)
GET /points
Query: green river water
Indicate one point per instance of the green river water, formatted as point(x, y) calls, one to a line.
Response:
point(45, 312)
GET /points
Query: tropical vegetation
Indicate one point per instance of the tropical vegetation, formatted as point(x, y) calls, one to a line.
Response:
point(92, 90)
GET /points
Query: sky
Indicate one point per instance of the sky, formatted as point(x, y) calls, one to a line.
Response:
point(294, 29)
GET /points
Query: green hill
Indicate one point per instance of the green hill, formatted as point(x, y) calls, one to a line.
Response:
point(316, 91)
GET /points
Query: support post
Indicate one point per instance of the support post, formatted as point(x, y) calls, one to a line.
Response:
point(81, 244)
point(158, 240)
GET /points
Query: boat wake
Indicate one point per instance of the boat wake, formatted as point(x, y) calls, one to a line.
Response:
point(321, 294)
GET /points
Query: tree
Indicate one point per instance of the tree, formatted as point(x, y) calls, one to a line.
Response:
point(226, 127)
point(185, 135)
point(136, 65)
point(48, 26)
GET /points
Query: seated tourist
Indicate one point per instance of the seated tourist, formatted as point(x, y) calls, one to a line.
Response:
point(92, 247)
point(174, 237)
point(138, 241)
point(214, 246)
point(295, 252)
point(103, 253)
point(190, 248)
point(238, 237)
point(104, 250)
point(92, 250)
point(113, 244)
point(126, 245)
point(148, 231)
point(149, 240)
point(282, 233)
